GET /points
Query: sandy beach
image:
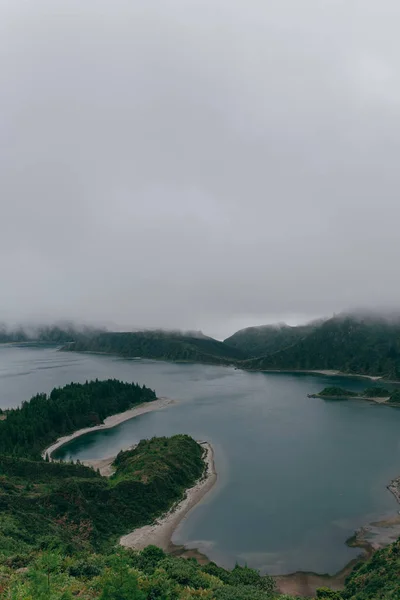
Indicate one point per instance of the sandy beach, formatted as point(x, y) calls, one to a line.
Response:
point(161, 531)
point(110, 422)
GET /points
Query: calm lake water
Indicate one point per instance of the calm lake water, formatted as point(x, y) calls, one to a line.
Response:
point(296, 476)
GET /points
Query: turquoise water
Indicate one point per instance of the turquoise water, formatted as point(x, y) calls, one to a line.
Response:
point(296, 476)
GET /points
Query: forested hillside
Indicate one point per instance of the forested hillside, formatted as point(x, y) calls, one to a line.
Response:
point(160, 345)
point(72, 507)
point(26, 431)
point(351, 344)
point(266, 339)
point(59, 524)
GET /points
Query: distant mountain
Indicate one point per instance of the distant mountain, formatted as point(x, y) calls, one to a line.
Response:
point(361, 343)
point(364, 344)
point(175, 346)
point(57, 334)
point(266, 339)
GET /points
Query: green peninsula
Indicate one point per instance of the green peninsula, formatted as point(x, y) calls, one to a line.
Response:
point(377, 394)
point(28, 430)
point(60, 522)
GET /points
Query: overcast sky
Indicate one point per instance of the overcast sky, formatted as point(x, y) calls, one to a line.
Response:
point(203, 164)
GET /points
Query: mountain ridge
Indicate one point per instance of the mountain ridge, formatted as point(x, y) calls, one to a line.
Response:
point(362, 343)
point(346, 343)
point(175, 346)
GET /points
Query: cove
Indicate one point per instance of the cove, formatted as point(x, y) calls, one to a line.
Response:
point(296, 476)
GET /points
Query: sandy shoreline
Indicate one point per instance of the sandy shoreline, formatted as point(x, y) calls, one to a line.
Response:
point(110, 422)
point(327, 372)
point(335, 373)
point(161, 531)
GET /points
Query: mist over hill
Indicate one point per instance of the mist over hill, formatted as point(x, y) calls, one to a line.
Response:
point(266, 339)
point(363, 342)
point(164, 345)
point(59, 333)
point(368, 344)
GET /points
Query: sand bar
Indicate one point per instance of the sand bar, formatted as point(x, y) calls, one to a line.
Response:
point(110, 422)
point(161, 531)
point(327, 372)
point(335, 373)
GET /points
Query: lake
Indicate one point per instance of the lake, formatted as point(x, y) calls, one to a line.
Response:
point(296, 476)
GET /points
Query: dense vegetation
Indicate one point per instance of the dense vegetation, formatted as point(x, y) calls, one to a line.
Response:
point(337, 392)
point(71, 507)
point(153, 575)
point(350, 344)
point(160, 345)
point(378, 578)
point(127, 575)
point(267, 339)
point(59, 522)
point(391, 396)
point(36, 424)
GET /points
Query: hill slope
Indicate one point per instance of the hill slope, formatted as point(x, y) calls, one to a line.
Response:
point(266, 339)
point(160, 345)
point(27, 430)
point(72, 507)
point(365, 345)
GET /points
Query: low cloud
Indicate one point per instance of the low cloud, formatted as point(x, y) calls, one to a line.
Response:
point(198, 165)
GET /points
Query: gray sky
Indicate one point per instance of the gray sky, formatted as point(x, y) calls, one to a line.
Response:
point(204, 164)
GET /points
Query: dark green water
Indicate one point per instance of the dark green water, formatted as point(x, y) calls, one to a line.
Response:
point(296, 476)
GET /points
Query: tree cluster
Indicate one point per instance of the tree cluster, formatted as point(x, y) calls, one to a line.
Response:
point(27, 430)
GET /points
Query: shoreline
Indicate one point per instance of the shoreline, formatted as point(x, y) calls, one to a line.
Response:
point(110, 422)
point(333, 373)
point(238, 366)
point(306, 583)
point(394, 488)
point(327, 372)
point(161, 531)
